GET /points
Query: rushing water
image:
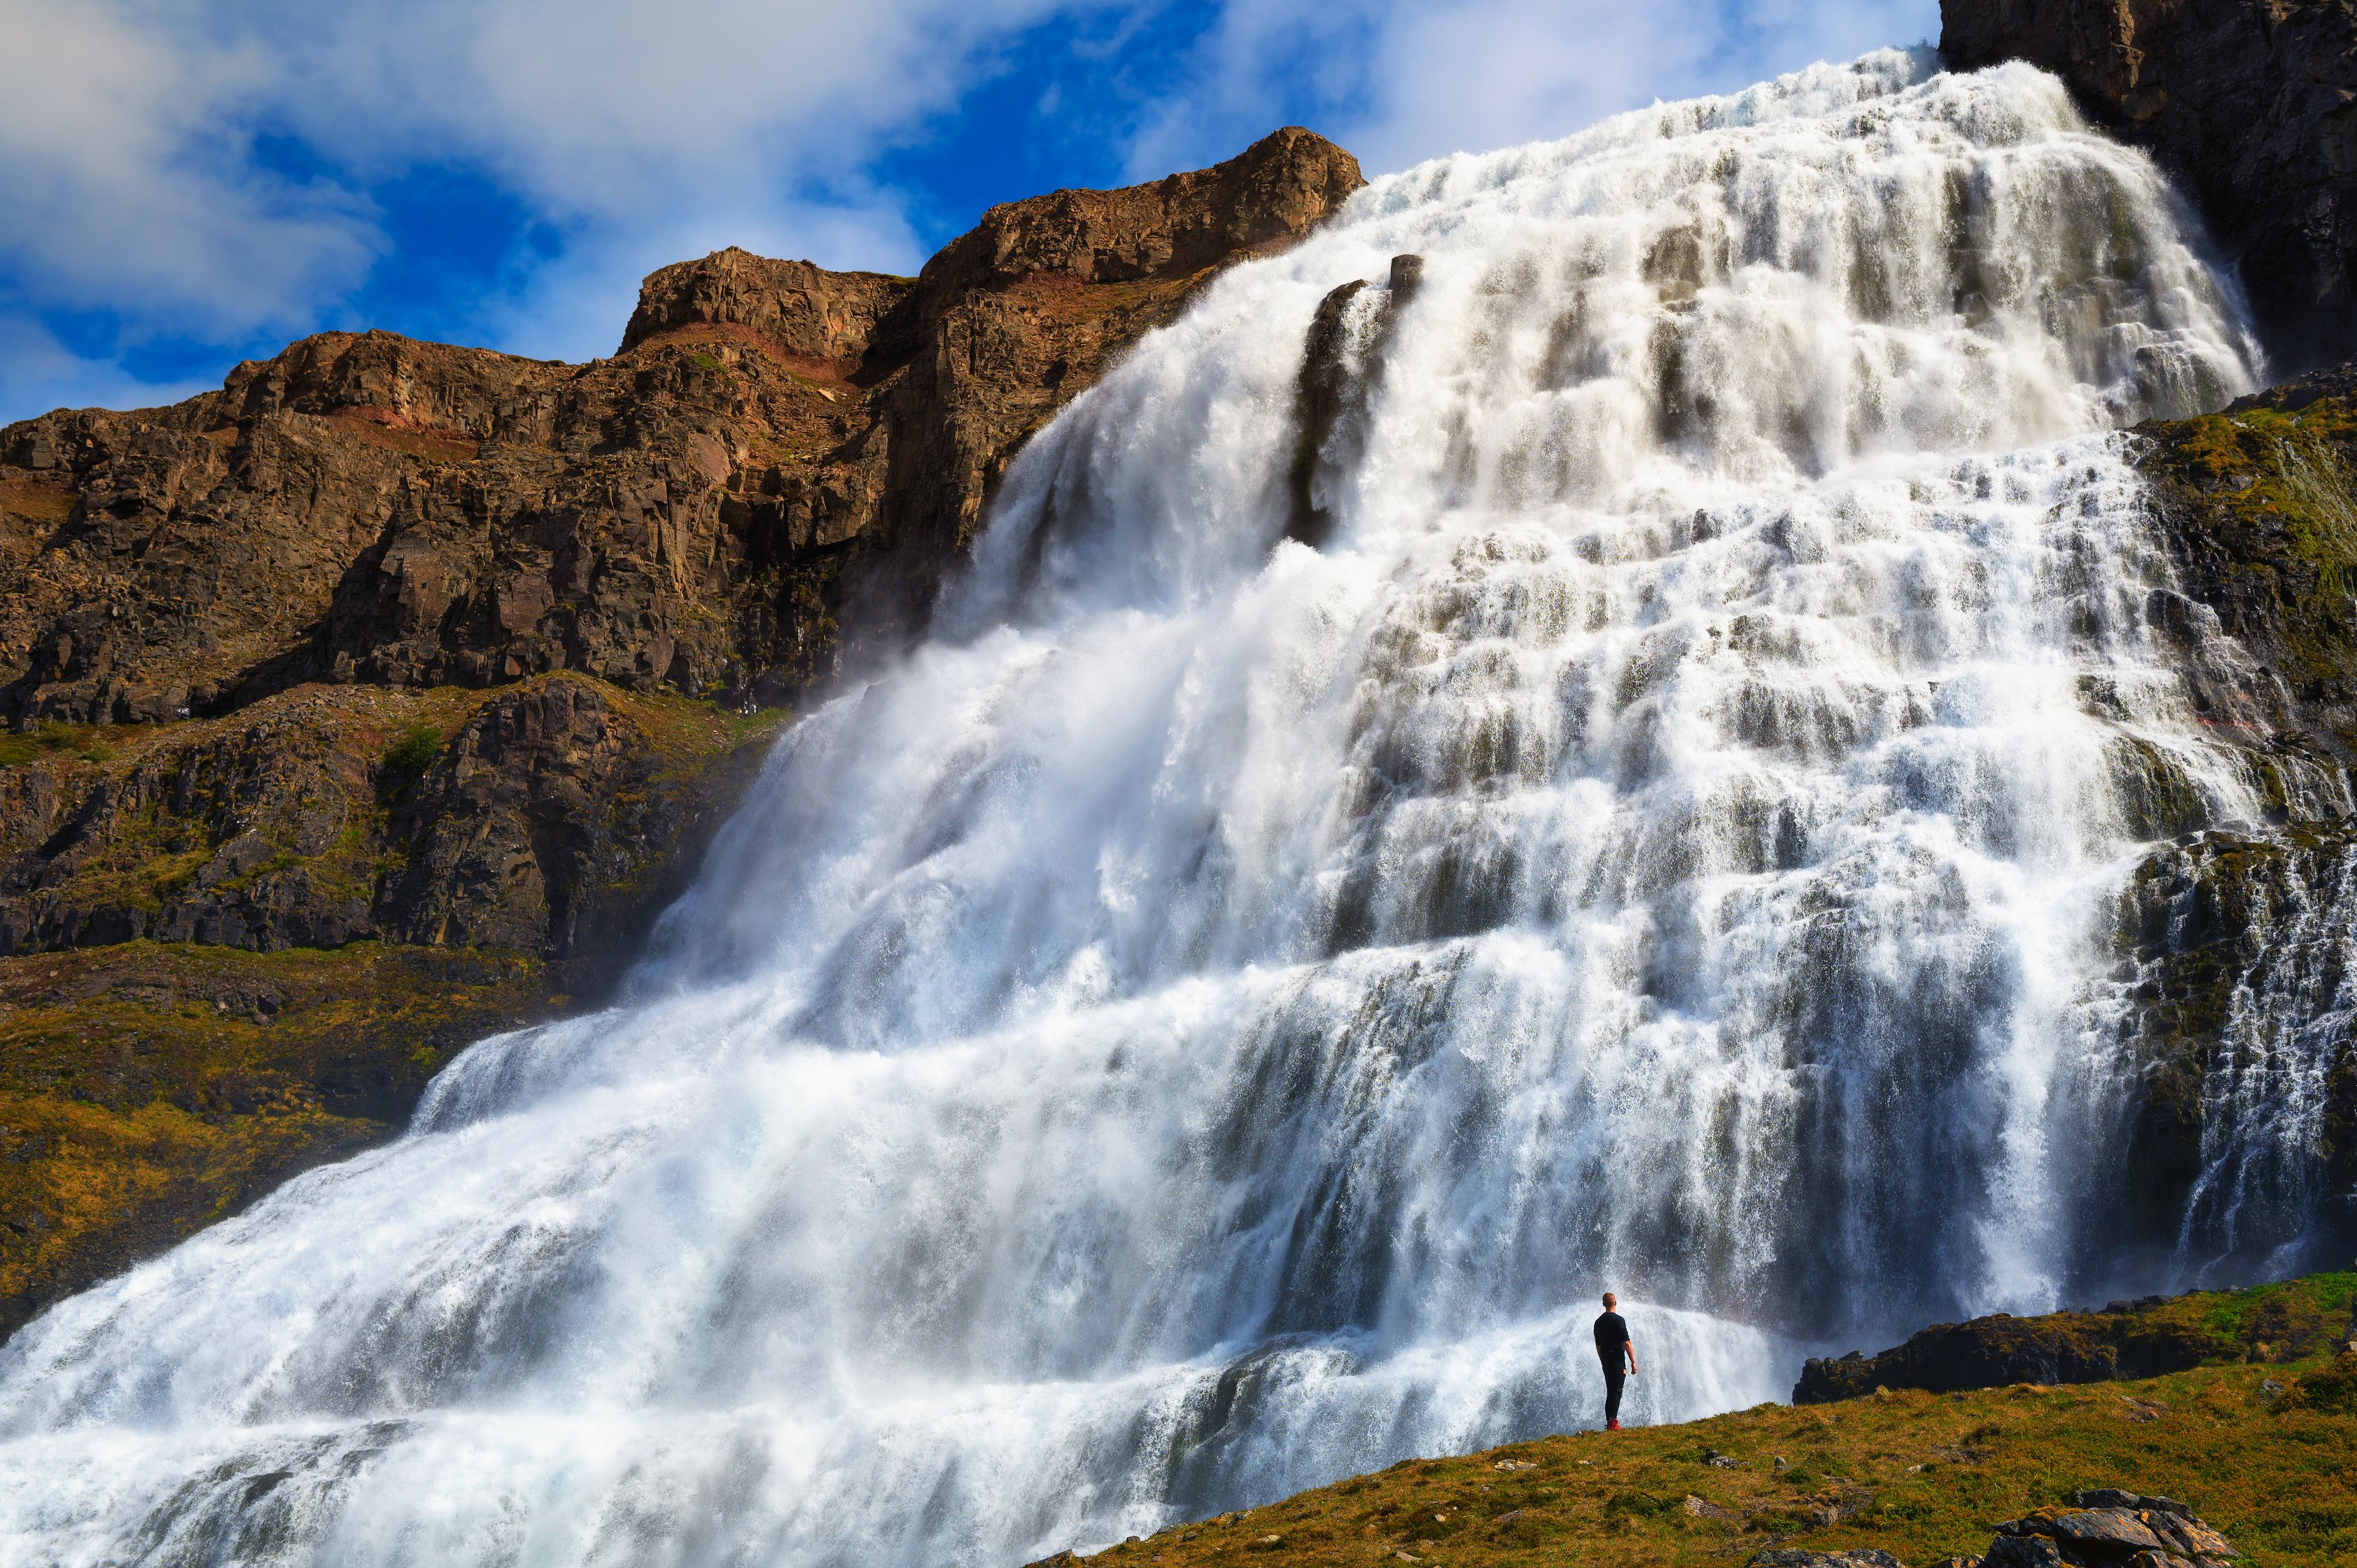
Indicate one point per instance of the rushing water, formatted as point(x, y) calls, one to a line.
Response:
point(1213, 1020)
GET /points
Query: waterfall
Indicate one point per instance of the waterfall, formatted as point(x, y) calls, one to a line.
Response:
point(1601, 758)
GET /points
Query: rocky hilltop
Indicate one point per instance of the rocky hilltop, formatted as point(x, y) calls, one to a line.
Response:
point(2252, 104)
point(394, 687)
point(774, 446)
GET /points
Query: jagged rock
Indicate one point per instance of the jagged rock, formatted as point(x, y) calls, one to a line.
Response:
point(773, 443)
point(2000, 1349)
point(1798, 1557)
point(2252, 102)
point(2109, 1530)
point(555, 818)
point(826, 320)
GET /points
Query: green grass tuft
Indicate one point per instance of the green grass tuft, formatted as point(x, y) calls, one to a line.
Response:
point(413, 751)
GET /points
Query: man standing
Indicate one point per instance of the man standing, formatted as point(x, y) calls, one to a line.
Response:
point(1617, 1354)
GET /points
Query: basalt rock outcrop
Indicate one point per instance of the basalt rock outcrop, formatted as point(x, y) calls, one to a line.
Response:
point(2148, 1338)
point(775, 448)
point(2252, 103)
point(2109, 1528)
point(544, 819)
point(2000, 1349)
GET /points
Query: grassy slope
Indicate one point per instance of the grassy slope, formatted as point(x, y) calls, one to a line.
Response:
point(1919, 1475)
point(147, 1089)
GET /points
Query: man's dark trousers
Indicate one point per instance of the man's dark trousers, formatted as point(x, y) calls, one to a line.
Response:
point(1614, 1376)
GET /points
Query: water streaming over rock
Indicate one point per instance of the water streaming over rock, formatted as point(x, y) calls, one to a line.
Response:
point(1212, 1020)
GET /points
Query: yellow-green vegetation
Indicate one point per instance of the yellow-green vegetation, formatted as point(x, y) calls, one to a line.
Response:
point(148, 1089)
point(412, 750)
point(2282, 482)
point(2261, 1451)
point(84, 741)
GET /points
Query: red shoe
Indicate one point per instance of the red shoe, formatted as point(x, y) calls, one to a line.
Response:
point(1611, 1426)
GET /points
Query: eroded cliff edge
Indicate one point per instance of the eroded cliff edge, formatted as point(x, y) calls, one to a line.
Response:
point(379, 700)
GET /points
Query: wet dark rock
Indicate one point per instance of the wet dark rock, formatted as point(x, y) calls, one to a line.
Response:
point(1342, 367)
point(2000, 1349)
point(2255, 511)
point(2252, 104)
point(1328, 395)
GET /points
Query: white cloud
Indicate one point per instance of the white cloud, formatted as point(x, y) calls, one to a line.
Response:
point(1402, 80)
point(603, 107)
point(127, 130)
point(121, 183)
point(643, 132)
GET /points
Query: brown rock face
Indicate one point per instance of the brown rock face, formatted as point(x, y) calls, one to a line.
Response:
point(775, 448)
point(407, 637)
point(547, 819)
point(2252, 102)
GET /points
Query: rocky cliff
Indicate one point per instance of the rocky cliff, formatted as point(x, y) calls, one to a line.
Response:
point(2252, 103)
point(2226, 936)
point(774, 447)
point(378, 699)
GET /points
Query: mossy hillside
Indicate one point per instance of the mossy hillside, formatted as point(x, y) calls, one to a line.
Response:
point(2261, 498)
point(147, 1089)
point(300, 814)
point(2261, 1452)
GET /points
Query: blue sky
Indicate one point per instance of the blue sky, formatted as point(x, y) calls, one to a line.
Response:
point(187, 183)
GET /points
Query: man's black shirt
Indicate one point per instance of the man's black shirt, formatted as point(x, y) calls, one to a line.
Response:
point(1611, 1334)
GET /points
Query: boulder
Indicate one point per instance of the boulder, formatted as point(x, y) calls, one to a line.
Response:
point(2109, 1530)
point(2001, 1349)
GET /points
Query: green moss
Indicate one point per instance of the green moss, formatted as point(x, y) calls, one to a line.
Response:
point(2306, 1308)
point(54, 739)
point(2282, 482)
point(413, 751)
point(2332, 1389)
point(148, 1089)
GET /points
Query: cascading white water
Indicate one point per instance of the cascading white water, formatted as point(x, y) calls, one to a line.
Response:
point(1213, 1020)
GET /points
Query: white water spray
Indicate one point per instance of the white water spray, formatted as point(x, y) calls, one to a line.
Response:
point(1214, 1020)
